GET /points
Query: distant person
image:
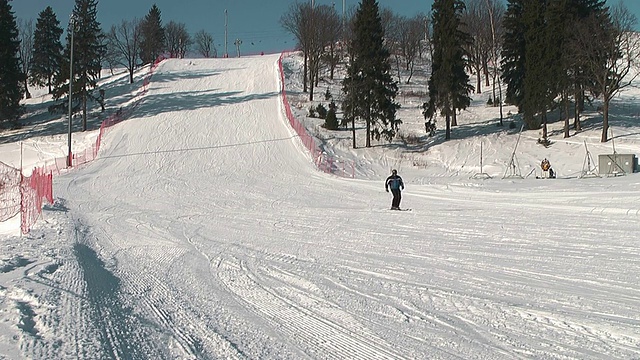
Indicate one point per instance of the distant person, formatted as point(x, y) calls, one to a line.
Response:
point(394, 182)
point(546, 165)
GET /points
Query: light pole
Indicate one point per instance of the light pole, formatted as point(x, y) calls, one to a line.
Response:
point(226, 54)
point(237, 43)
point(73, 25)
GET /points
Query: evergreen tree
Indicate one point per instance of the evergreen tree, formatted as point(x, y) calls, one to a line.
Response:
point(537, 71)
point(559, 19)
point(538, 59)
point(152, 44)
point(526, 59)
point(369, 89)
point(11, 76)
point(578, 12)
point(461, 85)
point(513, 52)
point(331, 120)
point(449, 87)
point(88, 49)
point(47, 49)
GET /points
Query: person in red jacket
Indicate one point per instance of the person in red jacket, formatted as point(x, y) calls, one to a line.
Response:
point(395, 183)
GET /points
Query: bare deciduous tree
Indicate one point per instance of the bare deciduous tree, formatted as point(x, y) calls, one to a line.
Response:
point(478, 24)
point(327, 34)
point(332, 32)
point(321, 37)
point(316, 29)
point(204, 44)
point(392, 25)
point(298, 22)
point(178, 39)
point(496, 11)
point(25, 30)
point(123, 44)
point(610, 51)
point(411, 34)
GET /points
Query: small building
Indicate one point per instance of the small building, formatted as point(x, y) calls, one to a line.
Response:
point(616, 164)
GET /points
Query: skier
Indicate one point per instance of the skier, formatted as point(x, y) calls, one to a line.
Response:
point(395, 183)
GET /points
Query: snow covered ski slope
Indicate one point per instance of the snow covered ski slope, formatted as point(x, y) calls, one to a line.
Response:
point(204, 231)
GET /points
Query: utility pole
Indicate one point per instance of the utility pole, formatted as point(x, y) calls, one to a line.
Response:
point(226, 53)
point(72, 27)
point(237, 43)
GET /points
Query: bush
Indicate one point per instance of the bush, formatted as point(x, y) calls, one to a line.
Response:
point(331, 120)
point(322, 111)
point(312, 111)
point(490, 102)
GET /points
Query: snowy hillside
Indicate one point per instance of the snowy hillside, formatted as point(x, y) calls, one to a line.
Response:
point(204, 231)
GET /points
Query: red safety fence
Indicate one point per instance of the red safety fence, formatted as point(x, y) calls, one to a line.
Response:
point(9, 191)
point(27, 194)
point(24, 194)
point(34, 190)
point(324, 162)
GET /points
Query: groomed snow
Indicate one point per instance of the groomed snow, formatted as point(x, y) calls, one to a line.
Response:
point(204, 231)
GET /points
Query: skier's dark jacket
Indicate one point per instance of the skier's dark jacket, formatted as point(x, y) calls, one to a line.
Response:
point(394, 182)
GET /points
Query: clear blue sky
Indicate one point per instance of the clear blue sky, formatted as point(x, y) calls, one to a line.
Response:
point(255, 22)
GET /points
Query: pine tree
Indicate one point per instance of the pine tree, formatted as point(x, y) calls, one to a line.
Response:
point(461, 85)
point(88, 49)
point(540, 61)
point(47, 49)
point(578, 12)
point(11, 76)
point(152, 44)
point(537, 74)
point(525, 57)
point(513, 52)
point(331, 120)
point(448, 85)
point(369, 89)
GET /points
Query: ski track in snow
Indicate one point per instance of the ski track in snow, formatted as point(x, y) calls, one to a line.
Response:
point(238, 248)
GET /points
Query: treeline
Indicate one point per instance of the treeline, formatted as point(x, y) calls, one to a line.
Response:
point(552, 55)
point(35, 55)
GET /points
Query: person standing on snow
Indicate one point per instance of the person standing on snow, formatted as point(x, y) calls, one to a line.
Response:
point(394, 182)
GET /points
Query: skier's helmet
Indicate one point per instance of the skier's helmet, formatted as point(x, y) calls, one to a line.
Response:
point(394, 172)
